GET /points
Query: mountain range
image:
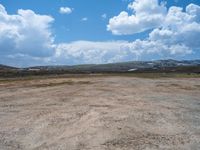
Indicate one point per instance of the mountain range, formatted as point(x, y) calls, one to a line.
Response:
point(124, 66)
point(186, 66)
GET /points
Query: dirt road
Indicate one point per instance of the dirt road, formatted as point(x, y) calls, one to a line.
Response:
point(100, 113)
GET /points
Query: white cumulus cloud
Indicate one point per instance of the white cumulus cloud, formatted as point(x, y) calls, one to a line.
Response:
point(95, 52)
point(180, 27)
point(175, 31)
point(26, 32)
point(84, 19)
point(146, 14)
point(104, 16)
point(65, 10)
point(26, 37)
point(116, 51)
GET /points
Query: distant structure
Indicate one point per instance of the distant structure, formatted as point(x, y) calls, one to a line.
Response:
point(33, 69)
point(130, 70)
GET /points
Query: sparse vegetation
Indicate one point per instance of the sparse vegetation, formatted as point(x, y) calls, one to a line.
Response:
point(70, 82)
point(104, 111)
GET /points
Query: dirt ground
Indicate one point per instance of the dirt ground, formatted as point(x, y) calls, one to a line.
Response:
point(100, 113)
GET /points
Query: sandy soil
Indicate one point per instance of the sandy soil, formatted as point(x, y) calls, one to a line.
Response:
point(100, 113)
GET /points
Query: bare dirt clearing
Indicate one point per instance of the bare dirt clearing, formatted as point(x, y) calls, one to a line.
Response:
point(100, 113)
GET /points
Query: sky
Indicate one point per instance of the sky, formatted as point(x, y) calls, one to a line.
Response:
point(69, 32)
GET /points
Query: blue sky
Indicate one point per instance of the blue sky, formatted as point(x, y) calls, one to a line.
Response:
point(36, 32)
point(69, 27)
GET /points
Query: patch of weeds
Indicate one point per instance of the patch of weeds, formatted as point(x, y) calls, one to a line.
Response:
point(197, 86)
point(70, 82)
point(83, 82)
point(174, 84)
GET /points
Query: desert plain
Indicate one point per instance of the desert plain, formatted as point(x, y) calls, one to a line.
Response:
point(97, 112)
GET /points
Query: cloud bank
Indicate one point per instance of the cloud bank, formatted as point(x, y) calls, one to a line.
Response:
point(26, 37)
point(174, 30)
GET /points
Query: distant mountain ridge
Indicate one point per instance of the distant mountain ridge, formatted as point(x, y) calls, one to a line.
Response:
point(5, 67)
point(169, 65)
point(124, 66)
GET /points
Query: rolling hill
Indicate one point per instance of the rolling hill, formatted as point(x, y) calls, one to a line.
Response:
point(124, 66)
point(158, 66)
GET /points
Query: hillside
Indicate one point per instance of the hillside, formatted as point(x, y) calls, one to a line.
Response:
point(124, 66)
point(4, 67)
point(159, 66)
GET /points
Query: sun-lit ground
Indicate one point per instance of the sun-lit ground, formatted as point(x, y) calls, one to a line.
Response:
point(100, 112)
